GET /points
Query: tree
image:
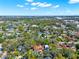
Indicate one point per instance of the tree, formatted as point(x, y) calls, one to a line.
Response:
point(4, 28)
point(77, 46)
point(30, 54)
point(20, 28)
point(59, 56)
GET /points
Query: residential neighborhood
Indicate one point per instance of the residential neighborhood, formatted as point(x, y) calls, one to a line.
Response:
point(30, 38)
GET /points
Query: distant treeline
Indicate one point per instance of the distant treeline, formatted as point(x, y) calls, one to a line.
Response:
point(39, 17)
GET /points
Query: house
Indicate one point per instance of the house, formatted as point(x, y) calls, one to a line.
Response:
point(77, 25)
point(1, 22)
point(63, 26)
point(77, 33)
point(46, 46)
point(55, 27)
point(38, 48)
point(10, 30)
point(34, 25)
point(18, 57)
point(1, 48)
point(4, 55)
point(76, 43)
point(73, 48)
point(76, 22)
point(68, 38)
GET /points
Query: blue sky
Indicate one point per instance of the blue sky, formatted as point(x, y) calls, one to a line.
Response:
point(39, 7)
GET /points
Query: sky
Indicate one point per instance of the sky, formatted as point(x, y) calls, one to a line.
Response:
point(39, 7)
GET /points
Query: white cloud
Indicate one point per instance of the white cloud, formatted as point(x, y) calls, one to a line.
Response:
point(35, 3)
point(39, 4)
point(44, 5)
point(33, 8)
point(29, 0)
point(19, 5)
point(73, 1)
point(56, 6)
